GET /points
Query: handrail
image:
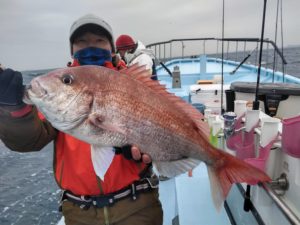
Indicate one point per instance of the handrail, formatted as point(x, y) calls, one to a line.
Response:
point(287, 212)
point(220, 39)
point(258, 40)
point(173, 40)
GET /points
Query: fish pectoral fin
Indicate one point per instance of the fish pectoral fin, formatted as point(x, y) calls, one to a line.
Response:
point(176, 167)
point(102, 157)
point(100, 121)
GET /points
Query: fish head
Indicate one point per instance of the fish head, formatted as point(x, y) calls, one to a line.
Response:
point(63, 96)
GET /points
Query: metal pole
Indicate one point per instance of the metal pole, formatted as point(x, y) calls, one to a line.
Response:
point(159, 52)
point(217, 49)
point(245, 48)
point(267, 57)
point(164, 51)
point(236, 51)
point(227, 50)
point(182, 48)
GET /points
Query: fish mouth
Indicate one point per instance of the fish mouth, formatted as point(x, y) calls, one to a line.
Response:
point(26, 98)
point(34, 90)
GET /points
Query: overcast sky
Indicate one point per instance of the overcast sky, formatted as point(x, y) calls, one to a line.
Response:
point(34, 34)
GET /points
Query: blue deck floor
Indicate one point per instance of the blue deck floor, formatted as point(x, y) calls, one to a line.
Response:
point(190, 198)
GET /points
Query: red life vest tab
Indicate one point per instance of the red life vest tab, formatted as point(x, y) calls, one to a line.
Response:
point(21, 112)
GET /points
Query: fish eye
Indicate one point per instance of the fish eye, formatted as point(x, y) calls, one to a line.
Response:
point(67, 79)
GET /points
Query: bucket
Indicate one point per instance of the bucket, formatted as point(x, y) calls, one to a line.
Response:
point(242, 142)
point(269, 134)
point(264, 153)
point(291, 136)
point(246, 149)
point(240, 107)
point(269, 130)
point(252, 119)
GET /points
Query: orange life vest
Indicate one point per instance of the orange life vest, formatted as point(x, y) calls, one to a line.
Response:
point(74, 169)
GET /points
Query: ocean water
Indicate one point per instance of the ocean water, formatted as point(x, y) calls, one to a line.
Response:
point(29, 194)
point(291, 55)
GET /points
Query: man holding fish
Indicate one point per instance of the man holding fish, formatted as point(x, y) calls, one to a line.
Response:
point(101, 186)
point(96, 107)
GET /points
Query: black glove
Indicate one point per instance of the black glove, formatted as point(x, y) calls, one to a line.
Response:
point(11, 88)
point(125, 151)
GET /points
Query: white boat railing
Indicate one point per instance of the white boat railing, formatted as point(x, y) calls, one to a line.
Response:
point(244, 49)
point(282, 206)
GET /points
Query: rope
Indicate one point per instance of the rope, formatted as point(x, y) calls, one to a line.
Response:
point(279, 4)
point(283, 69)
point(275, 40)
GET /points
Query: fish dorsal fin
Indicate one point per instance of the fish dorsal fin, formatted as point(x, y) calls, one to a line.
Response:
point(140, 74)
point(129, 69)
point(136, 71)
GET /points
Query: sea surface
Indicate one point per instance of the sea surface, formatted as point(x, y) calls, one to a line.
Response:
point(29, 194)
point(291, 56)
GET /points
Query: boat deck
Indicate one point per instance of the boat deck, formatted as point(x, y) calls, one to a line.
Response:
point(190, 198)
point(203, 68)
point(187, 200)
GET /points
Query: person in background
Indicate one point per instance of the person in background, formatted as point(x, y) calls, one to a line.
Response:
point(135, 52)
point(128, 195)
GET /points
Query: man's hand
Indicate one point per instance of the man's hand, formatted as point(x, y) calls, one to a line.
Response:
point(138, 155)
point(133, 152)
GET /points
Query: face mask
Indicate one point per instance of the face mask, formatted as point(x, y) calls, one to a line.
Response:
point(93, 56)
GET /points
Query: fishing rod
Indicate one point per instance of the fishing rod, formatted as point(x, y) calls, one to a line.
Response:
point(222, 65)
point(166, 68)
point(256, 102)
point(242, 62)
point(247, 203)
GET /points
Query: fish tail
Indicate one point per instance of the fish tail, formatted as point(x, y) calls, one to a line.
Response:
point(229, 170)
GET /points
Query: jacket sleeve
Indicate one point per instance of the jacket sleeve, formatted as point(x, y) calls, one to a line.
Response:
point(27, 133)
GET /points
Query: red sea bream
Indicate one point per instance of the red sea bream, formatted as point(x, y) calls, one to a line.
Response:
point(108, 108)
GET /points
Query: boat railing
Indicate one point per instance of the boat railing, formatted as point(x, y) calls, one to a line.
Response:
point(282, 206)
point(235, 49)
